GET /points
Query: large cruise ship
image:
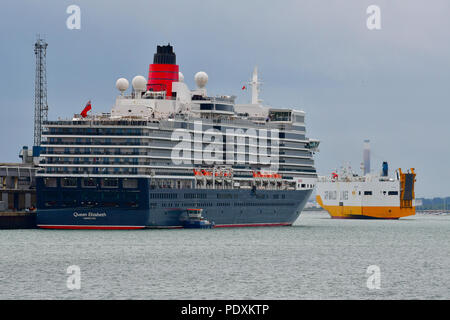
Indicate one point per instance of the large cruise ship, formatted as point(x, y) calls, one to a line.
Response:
point(164, 149)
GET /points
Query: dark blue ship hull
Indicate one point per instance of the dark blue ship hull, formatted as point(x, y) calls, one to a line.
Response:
point(124, 208)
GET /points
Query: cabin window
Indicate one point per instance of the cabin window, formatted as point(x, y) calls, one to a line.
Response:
point(299, 119)
point(367, 193)
point(393, 193)
point(206, 106)
point(195, 195)
point(69, 182)
point(50, 182)
point(89, 183)
point(224, 196)
point(110, 183)
point(130, 183)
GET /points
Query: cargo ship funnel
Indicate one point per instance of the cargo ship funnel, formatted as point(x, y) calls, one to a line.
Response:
point(366, 156)
point(385, 169)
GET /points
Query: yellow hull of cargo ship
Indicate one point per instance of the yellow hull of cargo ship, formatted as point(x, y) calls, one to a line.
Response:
point(358, 212)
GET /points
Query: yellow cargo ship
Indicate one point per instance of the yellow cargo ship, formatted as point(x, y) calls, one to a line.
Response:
point(347, 195)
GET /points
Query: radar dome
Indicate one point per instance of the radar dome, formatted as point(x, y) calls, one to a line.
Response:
point(122, 84)
point(139, 83)
point(201, 79)
point(180, 77)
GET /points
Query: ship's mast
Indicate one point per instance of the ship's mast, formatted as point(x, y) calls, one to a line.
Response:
point(40, 89)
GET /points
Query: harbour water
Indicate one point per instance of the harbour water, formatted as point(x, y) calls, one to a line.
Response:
point(317, 258)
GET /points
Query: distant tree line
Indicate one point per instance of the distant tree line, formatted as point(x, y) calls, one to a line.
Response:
point(434, 204)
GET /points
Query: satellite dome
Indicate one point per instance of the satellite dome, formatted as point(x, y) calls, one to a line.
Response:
point(180, 77)
point(139, 83)
point(201, 79)
point(122, 84)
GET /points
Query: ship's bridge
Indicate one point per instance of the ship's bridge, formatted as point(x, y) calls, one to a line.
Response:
point(313, 145)
point(217, 108)
point(211, 106)
point(286, 116)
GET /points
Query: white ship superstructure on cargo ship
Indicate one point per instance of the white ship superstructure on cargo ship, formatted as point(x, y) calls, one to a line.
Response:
point(165, 149)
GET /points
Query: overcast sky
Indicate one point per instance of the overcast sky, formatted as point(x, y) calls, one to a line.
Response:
point(391, 86)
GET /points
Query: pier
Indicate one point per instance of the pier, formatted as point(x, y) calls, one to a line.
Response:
point(17, 196)
point(18, 220)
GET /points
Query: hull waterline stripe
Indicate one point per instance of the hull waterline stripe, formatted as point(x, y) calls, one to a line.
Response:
point(78, 227)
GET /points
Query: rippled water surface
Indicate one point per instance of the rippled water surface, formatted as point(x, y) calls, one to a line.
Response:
point(317, 258)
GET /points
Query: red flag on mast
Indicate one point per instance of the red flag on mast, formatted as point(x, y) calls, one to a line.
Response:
point(86, 109)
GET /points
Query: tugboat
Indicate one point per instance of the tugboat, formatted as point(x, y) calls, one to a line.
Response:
point(193, 219)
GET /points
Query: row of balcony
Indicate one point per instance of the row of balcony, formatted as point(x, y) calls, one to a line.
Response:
point(100, 161)
point(104, 152)
point(95, 132)
point(106, 143)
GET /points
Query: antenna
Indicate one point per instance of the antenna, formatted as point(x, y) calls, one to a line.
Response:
point(40, 89)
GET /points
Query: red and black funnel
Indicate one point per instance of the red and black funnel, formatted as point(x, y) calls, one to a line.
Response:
point(163, 71)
